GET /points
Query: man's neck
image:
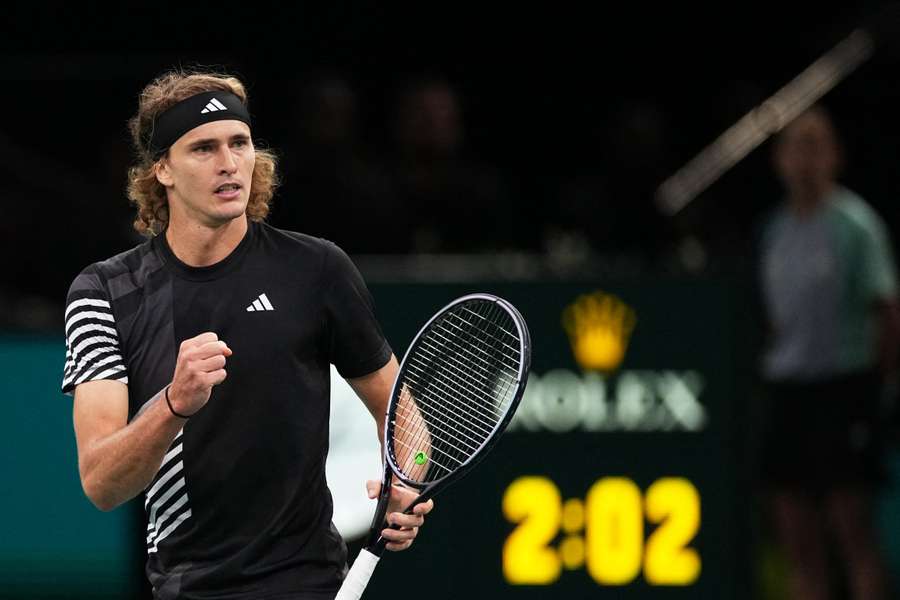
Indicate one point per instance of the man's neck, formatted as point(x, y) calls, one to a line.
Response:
point(807, 201)
point(199, 245)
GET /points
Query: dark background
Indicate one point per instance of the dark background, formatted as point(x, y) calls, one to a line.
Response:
point(605, 101)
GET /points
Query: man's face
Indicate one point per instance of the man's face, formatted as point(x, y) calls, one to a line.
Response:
point(208, 171)
point(807, 155)
point(432, 122)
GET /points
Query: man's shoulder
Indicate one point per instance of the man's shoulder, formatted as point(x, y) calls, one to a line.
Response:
point(851, 211)
point(318, 257)
point(136, 261)
point(129, 260)
point(289, 237)
point(294, 241)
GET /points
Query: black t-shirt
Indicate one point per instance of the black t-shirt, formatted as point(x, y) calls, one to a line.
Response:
point(239, 507)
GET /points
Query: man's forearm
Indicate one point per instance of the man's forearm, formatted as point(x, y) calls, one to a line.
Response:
point(116, 468)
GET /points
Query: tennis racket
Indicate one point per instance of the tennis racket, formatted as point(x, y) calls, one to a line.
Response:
point(456, 391)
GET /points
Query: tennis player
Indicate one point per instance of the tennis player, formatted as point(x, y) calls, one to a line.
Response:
point(199, 362)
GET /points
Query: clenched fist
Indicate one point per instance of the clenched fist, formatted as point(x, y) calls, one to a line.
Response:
point(200, 366)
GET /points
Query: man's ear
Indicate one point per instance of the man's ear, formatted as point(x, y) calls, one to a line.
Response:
point(161, 170)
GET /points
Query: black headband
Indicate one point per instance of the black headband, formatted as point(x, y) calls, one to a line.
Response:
point(192, 112)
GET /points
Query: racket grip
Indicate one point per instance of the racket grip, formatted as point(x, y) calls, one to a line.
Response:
point(358, 577)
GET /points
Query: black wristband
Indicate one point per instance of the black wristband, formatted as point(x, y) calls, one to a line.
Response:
point(169, 402)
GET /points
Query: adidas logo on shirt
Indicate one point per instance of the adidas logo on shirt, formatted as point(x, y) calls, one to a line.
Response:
point(213, 106)
point(261, 303)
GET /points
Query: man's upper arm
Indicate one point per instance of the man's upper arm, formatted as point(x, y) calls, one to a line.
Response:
point(374, 389)
point(878, 270)
point(100, 409)
point(93, 349)
point(355, 343)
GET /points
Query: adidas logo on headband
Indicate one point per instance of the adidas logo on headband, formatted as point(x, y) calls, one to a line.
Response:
point(213, 106)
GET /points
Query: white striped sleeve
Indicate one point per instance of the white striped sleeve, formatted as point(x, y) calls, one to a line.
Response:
point(92, 341)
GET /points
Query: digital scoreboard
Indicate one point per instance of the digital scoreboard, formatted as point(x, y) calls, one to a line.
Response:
point(618, 477)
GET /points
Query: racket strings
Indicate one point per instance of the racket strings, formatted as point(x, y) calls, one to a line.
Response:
point(468, 370)
point(510, 333)
point(432, 460)
point(458, 385)
point(454, 390)
point(438, 418)
point(480, 363)
point(421, 434)
point(514, 356)
point(410, 431)
point(446, 385)
point(506, 377)
point(510, 383)
point(441, 384)
point(407, 426)
point(484, 359)
point(468, 338)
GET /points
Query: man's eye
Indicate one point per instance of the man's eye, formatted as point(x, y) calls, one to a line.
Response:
point(203, 148)
point(240, 143)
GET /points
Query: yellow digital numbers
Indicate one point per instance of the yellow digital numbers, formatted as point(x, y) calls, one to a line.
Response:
point(536, 504)
point(605, 533)
point(674, 504)
point(614, 531)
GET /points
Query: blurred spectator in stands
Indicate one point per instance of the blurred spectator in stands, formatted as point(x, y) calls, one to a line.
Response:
point(24, 244)
point(37, 224)
point(331, 189)
point(607, 208)
point(830, 296)
point(452, 204)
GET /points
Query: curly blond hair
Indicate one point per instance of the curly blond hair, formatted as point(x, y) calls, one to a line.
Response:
point(148, 194)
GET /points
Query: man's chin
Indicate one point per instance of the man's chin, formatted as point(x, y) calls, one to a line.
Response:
point(231, 211)
point(223, 217)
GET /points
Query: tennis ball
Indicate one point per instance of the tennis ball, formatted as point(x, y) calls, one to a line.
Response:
point(421, 458)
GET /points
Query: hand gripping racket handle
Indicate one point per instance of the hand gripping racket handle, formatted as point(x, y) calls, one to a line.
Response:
point(377, 543)
point(358, 577)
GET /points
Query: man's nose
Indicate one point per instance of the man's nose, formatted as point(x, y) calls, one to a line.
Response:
point(227, 162)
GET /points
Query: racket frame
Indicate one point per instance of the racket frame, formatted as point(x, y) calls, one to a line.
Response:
point(375, 542)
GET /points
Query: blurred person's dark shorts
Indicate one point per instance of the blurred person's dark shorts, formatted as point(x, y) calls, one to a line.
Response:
point(824, 434)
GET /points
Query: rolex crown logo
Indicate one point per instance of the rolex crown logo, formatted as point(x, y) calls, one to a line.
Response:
point(599, 326)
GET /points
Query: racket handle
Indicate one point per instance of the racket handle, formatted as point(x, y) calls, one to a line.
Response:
point(358, 577)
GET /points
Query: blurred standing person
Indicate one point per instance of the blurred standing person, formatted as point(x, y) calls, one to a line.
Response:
point(830, 295)
point(452, 204)
point(336, 192)
point(604, 207)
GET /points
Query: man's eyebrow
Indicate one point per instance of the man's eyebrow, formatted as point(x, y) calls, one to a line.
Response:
point(204, 142)
point(213, 141)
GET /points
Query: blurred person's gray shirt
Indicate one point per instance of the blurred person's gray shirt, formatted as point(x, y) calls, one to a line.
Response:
point(822, 274)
